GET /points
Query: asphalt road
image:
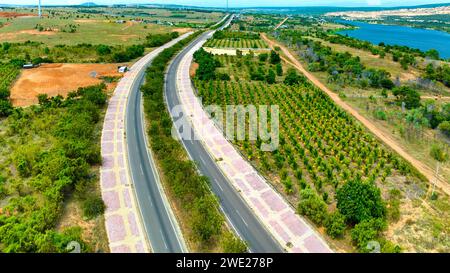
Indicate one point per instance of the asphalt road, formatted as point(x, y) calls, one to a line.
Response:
point(160, 225)
point(239, 215)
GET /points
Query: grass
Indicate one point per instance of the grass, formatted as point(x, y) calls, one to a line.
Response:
point(93, 31)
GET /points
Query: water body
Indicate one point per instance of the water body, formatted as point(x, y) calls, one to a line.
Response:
point(423, 39)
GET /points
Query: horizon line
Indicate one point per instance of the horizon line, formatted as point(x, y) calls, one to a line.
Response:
point(218, 7)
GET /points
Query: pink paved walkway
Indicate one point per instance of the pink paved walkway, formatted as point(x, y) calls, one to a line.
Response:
point(289, 229)
point(122, 217)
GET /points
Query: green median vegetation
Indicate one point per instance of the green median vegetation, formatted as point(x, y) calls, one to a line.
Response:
point(198, 209)
point(49, 152)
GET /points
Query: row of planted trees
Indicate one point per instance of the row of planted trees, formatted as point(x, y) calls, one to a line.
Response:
point(321, 150)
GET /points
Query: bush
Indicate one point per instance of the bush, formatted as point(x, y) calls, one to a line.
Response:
point(409, 96)
point(438, 153)
point(279, 70)
point(206, 65)
point(206, 221)
point(93, 206)
point(387, 83)
point(271, 77)
point(274, 57)
point(335, 225)
point(103, 50)
point(366, 231)
point(232, 244)
point(263, 57)
point(292, 78)
point(359, 201)
point(312, 206)
point(5, 108)
point(444, 127)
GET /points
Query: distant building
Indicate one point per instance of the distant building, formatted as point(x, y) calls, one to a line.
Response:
point(120, 21)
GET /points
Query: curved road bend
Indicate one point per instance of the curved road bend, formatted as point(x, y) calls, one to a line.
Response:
point(160, 224)
point(239, 215)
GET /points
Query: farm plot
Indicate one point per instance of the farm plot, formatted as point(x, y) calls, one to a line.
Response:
point(324, 155)
point(319, 143)
point(236, 43)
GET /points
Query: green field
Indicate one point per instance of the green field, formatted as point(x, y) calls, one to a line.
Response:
point(90, 31)
point(236, 43)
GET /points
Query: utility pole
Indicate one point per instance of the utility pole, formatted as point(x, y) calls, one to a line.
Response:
point(39, 9)
point(227, 5)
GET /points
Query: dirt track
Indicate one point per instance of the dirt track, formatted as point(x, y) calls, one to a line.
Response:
point(422, 168)
point(57, 79)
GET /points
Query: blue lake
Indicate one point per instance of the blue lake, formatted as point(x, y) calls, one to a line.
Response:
point(423, 39)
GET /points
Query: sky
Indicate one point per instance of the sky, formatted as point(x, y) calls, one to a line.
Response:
point(242, 3)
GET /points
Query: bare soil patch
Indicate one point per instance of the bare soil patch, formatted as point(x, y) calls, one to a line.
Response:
point(15, 14)
point(58, 79)
point(182, 30)
point(193, 69)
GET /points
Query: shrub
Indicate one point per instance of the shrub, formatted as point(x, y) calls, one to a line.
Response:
point(366, 231)
point(409, 96)
point(263, 57)
point(444, 127)
point(274, 57)
point(438, 153)
point(103, 50)
point(312, 206)
point(359, 201)
point(5, 108)
point(93, 206)
point(292, 78)
point(232, 244)
point(335, 225)
point(270, 78)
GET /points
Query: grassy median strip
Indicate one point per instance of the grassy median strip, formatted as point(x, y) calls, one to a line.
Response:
point(197, 208)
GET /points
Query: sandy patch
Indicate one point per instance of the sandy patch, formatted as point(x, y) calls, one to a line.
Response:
point(182, 30)
point(193, 69)
point(37, 32)
point(57, 79)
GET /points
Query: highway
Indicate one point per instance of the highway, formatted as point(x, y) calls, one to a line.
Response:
point(159, 222)
point(238, 214)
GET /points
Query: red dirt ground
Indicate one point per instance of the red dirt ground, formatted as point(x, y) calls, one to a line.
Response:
point(14, 14)
point(58, 79)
